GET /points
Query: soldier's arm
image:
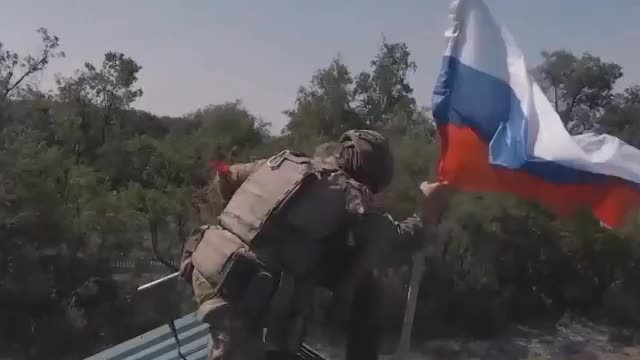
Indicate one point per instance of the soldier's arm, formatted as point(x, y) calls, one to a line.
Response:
point(226, 184)
point(378, 238)
point(411, 234)
point(391, 242)
point(381, 242)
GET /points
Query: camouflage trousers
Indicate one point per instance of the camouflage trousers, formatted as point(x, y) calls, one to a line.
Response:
point(232, 341)
point(230, 335)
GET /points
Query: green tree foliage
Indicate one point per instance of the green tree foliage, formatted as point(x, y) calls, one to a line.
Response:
point(86, 181)
point(384, 95)
point(324, 109)
point(579, 87)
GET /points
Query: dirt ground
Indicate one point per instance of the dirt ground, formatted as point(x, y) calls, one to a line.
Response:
point(568, 339)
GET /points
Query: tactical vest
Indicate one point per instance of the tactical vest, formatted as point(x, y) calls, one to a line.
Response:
point(268, 193)
point(265, 191)
point(267, 206)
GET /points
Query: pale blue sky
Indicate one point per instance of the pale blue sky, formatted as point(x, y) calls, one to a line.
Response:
point(198, 52)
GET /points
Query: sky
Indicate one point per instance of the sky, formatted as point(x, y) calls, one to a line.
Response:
point(199, 52)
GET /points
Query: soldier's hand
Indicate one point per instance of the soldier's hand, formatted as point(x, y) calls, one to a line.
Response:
point(435, 201)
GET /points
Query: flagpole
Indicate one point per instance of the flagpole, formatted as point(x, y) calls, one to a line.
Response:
point(417, 271)
point(418, 264)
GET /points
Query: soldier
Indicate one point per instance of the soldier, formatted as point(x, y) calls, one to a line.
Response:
point(293, 223)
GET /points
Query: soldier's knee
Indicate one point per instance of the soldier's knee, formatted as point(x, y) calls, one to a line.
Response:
point(202, 289)
point(212, 309)
point(232, 340)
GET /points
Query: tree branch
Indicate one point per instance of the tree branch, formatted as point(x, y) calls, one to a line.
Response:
point(29, 71)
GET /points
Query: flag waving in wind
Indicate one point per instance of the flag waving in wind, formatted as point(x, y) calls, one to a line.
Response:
point(500, 133)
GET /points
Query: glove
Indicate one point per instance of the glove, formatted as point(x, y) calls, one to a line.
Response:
point(435, 201)
point(222, 168)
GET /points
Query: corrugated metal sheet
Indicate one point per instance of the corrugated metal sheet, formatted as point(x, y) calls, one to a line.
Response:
point(159, 344)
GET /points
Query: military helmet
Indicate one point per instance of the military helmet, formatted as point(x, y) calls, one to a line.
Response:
point(367, 158)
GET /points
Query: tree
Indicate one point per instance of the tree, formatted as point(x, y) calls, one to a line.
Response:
point(579, 87)
point(324, 108)
point(384, 96)
point(109, 89)
point(15, 70)
point(621, 118)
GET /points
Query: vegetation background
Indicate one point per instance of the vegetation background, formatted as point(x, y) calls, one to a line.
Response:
point(87, 181)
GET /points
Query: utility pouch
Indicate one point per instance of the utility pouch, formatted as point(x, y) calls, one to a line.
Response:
point(234, 271)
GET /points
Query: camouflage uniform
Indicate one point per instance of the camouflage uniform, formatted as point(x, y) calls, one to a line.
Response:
point(326, 232)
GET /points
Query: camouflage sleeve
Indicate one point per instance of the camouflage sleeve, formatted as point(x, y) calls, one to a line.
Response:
point(380, 241)
point(227, 184)
point(391, 242)
point(376, 231)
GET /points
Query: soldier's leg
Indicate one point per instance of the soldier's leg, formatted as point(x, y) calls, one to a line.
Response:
point(233, 340)
point(363, 333)
point(230, 335)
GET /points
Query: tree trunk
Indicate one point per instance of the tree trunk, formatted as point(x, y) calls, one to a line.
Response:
point(180, 223)
point(153, 231)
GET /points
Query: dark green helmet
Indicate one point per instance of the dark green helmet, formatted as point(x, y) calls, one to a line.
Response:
point(367, 158)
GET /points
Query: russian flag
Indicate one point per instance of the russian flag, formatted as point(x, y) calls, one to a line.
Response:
point(500, 133)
